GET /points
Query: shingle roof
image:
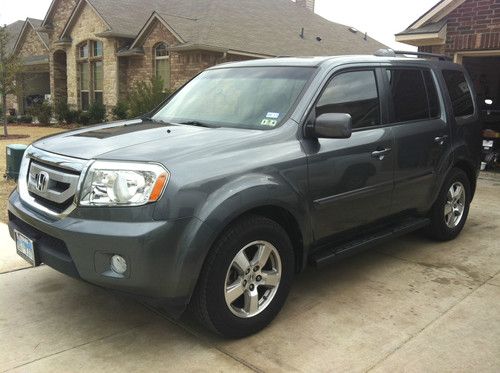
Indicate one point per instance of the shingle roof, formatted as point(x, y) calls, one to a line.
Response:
point(430, 28)
point(14, 29)
point(269, 27)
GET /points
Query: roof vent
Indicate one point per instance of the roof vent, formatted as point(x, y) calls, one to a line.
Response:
point(318, 38)
point(302, 33)
point(353, 30)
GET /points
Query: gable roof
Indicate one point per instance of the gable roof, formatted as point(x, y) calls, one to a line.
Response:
point(74, 16)
point(263, 27)
point(433, 20)
point(13, 31)
point(35, 25)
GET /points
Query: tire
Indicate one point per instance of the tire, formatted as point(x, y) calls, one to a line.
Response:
point(212, 302)
point(447, 224)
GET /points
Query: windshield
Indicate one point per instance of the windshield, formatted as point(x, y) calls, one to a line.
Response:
point(249, 97)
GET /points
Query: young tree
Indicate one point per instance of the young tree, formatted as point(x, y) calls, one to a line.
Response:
point(9, 68)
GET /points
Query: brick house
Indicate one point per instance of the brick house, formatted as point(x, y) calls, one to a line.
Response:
point(88, 51)
point(467, 31)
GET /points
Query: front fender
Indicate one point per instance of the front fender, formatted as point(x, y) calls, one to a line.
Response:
point(226, 204)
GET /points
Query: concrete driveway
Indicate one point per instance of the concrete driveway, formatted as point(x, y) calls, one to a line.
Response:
point(411, 305)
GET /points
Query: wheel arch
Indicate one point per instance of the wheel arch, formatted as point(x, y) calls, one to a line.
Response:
point(470, 171)
point(296, 229)
point(291, 226)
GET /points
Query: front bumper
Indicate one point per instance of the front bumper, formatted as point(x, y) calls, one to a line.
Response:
point(162, 262)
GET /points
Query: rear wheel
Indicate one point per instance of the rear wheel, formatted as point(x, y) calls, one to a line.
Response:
point(450, 211)
point(246, 278)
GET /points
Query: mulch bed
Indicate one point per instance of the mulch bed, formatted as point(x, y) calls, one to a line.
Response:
point(64, 126)
point(14, 137)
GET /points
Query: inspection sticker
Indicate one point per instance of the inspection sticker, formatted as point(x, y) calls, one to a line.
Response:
point(271, 115)
point(269, 122)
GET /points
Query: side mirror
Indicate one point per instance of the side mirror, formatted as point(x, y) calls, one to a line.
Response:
point(333, 126)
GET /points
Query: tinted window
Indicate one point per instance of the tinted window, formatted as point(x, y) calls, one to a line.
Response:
point(354, 93)
point(432, 94)
point(459, 91)
point(408, 95)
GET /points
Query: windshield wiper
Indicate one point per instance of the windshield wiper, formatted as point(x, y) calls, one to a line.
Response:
point(160, 121)
point(198, 124)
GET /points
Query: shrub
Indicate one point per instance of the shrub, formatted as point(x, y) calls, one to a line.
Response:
point(120, 111)
point(97, 113)
point(83, 118)
point(43, 112)
point(72, 116)
point(11, 119)
point(26, 119)
point(145, 96)
point(62, 111)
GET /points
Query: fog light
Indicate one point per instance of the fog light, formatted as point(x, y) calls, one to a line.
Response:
point(118, 264)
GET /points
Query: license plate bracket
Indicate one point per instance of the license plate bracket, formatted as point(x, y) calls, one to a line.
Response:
point(25, 248)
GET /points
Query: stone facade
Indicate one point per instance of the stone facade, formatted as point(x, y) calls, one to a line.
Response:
point(62, 10)
point(72, 22)
point(474, 25)
point(120, 73)
point(34, 78)
point(85, 28)
point(31, 44)
point(140, 68)
point(183, 65)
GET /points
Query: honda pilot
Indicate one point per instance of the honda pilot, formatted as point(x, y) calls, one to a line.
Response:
point(250, 172)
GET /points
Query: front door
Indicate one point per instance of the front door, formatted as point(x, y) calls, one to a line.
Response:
point(351, 180)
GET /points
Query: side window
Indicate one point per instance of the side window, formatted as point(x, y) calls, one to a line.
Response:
point(353, 93)
point(408, 93)
point(432, 94)
point(460, 94)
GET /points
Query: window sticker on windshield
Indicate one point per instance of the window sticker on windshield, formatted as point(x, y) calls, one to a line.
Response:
point(271, 115)
point(269, 122)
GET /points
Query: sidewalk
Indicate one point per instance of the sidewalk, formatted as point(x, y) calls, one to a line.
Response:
point(9, 260)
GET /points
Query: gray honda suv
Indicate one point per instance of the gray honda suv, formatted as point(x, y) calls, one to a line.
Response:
point(248, 173)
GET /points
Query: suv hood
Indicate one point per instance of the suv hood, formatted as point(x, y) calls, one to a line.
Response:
point(145, 141)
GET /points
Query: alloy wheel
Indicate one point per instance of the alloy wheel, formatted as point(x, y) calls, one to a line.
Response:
point(455, 205)
point(252, 279)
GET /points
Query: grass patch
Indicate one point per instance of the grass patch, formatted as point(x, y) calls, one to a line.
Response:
point(33, 133)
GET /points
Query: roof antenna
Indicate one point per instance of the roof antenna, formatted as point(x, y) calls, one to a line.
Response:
point(302, 33)
point(366, 36)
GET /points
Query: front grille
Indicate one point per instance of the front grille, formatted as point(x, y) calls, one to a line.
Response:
point(52, 187)
point(49, 182)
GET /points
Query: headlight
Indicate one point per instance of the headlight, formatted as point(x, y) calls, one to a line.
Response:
point(123, 184)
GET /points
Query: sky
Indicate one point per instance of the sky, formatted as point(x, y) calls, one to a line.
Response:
point(381, 19)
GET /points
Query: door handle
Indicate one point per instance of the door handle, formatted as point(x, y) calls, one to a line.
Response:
point(380, 154)
point(441, 139)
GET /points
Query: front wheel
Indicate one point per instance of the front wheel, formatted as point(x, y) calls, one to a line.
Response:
point(246, 278)
point(450, 211)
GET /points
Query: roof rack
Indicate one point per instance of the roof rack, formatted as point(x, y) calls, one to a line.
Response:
point(393, 53)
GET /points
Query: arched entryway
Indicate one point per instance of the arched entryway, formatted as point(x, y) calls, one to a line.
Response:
point(60, 76)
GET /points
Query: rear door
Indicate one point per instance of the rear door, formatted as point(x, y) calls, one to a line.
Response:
point(351, 180)
point(422, 135)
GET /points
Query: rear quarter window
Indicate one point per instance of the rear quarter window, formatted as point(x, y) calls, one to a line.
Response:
point(460, 93)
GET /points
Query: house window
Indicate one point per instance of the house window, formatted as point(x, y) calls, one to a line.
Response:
point(162, 64)
point(91, 73)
